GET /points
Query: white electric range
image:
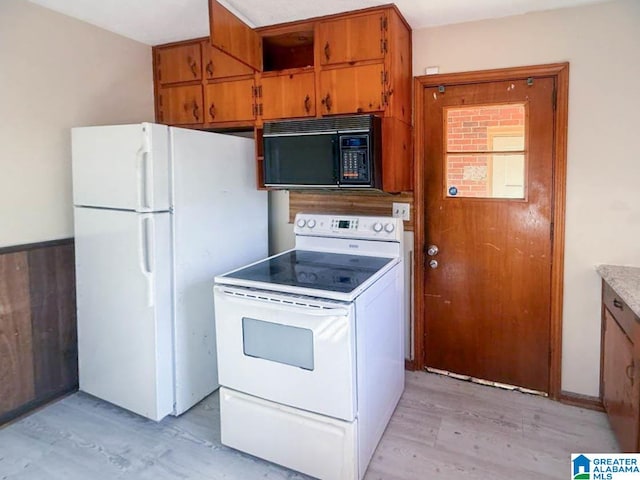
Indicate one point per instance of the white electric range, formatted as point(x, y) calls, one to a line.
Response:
point(311, 348)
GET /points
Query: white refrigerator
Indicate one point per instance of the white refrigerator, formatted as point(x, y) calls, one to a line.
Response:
point(158, 212)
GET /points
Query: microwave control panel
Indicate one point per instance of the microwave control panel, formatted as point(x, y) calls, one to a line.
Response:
point(355, 166)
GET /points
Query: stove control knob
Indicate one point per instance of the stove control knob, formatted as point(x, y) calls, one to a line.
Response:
point(311, 223)
point(301, 222)
point(377, 227)
point(389, 227)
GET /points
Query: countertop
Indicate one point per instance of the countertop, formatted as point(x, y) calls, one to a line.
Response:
point(625, 281)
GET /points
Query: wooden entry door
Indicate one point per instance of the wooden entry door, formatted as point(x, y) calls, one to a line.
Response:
point(488, 183)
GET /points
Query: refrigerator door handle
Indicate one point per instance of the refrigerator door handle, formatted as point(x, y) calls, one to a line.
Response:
point(145, 254)
point(145, 180)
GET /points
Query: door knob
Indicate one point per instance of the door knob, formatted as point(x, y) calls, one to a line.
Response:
point(433, 263)
point(432, 250)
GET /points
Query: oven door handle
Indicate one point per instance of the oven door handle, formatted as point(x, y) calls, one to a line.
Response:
point(303, 309)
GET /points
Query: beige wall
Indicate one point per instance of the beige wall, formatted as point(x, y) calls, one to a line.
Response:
point(57, 72)
point(602, 44)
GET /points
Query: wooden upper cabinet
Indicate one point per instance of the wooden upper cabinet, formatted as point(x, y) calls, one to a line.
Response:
point(217, 64)
point(231, 102)
point(288, 95)
point(233, 36)
point(179, 63)
point(352, 39)
point(352, 90)
point(397, 155)
point(180, 105)
point(398, 60)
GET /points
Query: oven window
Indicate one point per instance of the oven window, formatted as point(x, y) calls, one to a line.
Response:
point(278, 343)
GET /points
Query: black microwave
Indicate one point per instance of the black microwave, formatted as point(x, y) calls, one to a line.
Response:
point(334, 152)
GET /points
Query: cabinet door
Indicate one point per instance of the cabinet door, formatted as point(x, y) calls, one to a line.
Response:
point(351, 89)
point(289, 95)
point(180, 105)
point(620, 394)
point(232, 35)
point(181, 63)
point(352, 39)
point(218, 64)
point(230, 101)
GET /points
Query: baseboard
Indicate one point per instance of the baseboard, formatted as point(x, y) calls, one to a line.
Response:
point(579, 400)
point(33, 405)
point(410, 365)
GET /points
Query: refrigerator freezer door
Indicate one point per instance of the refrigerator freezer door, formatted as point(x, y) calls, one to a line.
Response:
point(220, 223)
point(123, 285)
point(121, 166)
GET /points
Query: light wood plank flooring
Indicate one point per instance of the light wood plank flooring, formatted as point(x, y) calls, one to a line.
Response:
point(442, 429)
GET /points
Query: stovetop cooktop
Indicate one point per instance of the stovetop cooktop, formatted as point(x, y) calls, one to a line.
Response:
point(335, 272)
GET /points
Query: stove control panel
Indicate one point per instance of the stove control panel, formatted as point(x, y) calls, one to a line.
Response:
point(349, 226)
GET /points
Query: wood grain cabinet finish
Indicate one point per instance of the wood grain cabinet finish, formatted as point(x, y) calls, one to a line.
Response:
point(620, 379)
point(233, 36)
point(218, 65)
point(230, 102)
point(179, 63)
point(193, 102)
point(353, 38)
point(352, 90)
point(288, 95)
point(180, 105)
point(343, 64)
point(38, 340)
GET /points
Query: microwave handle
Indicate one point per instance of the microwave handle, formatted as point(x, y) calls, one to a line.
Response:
point(337, 167)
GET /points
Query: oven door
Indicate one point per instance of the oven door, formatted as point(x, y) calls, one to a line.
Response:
point(288, 350)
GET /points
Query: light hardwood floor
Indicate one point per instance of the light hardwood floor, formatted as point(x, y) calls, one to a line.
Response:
point(442, 429)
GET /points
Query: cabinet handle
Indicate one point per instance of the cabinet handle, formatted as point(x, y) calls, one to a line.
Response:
point(327, 51)
point(326, 101)
point(307, 104)
point(210, 68)
point(196, 111)
point(629, 372)
point(212, 111)
point(617, 303)
point(192, 66)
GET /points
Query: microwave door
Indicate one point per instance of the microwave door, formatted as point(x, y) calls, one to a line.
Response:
point(307, 160)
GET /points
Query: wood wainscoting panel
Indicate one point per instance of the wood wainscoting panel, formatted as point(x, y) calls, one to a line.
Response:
point(53, 319)
point(38, 339)
point(348, 203)
point(16, 360)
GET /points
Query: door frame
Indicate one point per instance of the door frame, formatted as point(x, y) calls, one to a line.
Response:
point(560, 73)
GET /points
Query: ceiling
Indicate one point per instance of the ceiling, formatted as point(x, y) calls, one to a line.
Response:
point(161, 21)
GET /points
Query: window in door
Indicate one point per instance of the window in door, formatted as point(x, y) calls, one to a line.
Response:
point(486, 151)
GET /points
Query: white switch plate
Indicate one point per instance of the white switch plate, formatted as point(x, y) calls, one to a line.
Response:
point(401, 210)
